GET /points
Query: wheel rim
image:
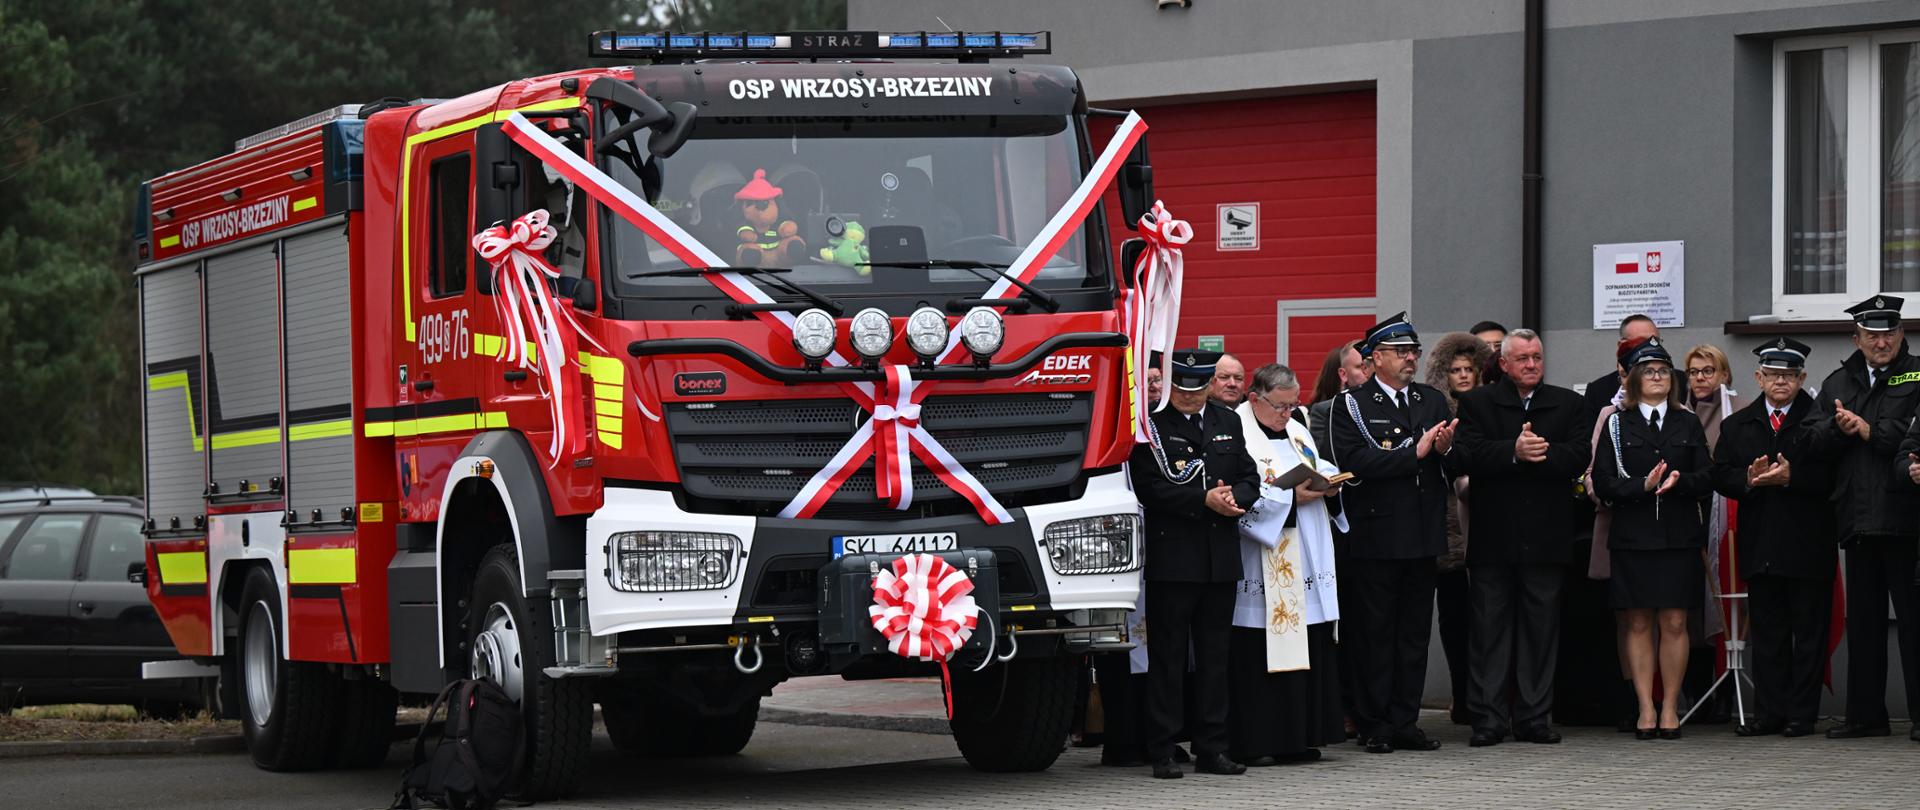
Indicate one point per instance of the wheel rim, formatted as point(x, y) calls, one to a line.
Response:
point(496, 651)
point(262, 656)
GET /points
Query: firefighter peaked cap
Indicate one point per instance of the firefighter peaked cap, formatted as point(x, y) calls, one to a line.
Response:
point(758, 188)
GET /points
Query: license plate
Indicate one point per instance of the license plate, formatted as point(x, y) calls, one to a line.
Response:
point(894, 543)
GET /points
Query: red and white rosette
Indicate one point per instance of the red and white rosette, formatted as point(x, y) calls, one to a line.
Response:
point(924, 607)
point(1153, 307)
point(531, 314)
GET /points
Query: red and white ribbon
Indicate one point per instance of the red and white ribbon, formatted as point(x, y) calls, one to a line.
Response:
point(1153, 307)
point(923, 607)
point(894, 480)
point(531, 314)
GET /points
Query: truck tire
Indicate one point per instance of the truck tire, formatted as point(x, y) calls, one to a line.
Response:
point(286, 712)
point(1014, 717)
point(367, 709)
point(508, 643)
point(648, 722)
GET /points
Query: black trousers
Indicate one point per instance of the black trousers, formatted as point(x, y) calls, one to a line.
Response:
point(1516, 643)
point(1179, 613)
point(1454, 601)
point(1789, 641)
point(1879, 568)
point(1395, 611)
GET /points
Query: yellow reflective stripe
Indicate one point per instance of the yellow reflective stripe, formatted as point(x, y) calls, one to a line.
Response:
point(302, 205)
point(438, 424)
point(169, 241)
point(606, 407)
point(178, 379)
point(608, 370)
point(604, 391)
point(182, 567)
point(607, 423)
point(320, 430)
point(610, 439)
point(246, 438)
point(320, 566)
point(406, 187)
point(486, 345)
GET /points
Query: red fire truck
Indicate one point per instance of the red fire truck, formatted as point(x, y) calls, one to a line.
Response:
point(369, 472)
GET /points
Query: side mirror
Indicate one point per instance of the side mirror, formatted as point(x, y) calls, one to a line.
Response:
point(670, 124)
point(1136, 185)
point(496, 184)
point(137, 573)
point(1130, 252)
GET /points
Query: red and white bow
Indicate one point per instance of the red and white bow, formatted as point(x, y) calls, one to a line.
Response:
point(531, 315)
point(902, 431)
point(1153, 307)
point(923, 607)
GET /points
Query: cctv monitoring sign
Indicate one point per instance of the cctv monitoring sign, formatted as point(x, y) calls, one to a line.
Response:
point(1238, 226)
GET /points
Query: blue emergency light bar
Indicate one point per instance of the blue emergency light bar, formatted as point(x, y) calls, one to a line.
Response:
point(967, 46)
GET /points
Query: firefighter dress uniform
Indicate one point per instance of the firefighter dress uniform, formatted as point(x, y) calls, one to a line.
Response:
point(1192, 566)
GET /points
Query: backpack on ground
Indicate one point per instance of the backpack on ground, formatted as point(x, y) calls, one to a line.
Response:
point(477, 755)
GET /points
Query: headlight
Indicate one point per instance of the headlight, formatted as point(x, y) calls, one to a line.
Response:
point(872, 333)
point(982, 331)
point(927, 333)
point(813, 334)
point(672, 561)
point(1105, 544)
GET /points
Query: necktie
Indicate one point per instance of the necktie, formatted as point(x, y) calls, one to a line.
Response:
point(1526, 403)
point(1400, 400)
point(1774, 416)
point(1653, 420)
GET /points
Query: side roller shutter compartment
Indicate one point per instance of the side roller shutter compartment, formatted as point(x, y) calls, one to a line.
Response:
point(175, 423)
point(243, 367)
point(319, 376)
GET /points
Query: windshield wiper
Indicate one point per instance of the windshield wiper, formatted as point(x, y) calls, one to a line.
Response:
point(1044, 298)
point(768, 273)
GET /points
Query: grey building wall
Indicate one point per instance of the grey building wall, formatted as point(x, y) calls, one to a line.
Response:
point(1657, 126)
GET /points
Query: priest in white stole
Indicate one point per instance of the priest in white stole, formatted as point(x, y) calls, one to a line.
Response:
point(1286, 689)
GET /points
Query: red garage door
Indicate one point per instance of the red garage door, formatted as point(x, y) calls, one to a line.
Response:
point(1307, 163)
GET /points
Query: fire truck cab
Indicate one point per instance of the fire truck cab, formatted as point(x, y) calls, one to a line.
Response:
point(368, 472)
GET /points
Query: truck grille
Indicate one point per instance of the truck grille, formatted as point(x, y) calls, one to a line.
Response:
point(756, 455)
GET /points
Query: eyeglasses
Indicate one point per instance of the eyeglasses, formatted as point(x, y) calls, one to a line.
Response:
point(1657, 373)
point(1403, 351)
point(1775, 375)
point(1282, 407)
point(1702, 373)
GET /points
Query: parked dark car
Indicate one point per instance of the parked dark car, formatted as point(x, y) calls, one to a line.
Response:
point(73, 627)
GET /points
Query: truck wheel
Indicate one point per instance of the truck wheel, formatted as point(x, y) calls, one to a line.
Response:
point(512, 646)
point(367, 709)
point(1014, 716)
point(286, 707)
point(644, 721)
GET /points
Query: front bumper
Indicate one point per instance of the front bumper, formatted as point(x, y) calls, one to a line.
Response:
point(779, 579)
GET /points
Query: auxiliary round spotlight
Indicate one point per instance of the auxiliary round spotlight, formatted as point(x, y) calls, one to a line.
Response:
point(983, 331)
point(814, 334)
point(871, 333)
point(927, 333)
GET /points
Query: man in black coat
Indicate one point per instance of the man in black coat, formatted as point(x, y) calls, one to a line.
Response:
point(1391, 433)
point(1769, 460)
point(1194, 480)
point(1522, 445)
point(1866, 407)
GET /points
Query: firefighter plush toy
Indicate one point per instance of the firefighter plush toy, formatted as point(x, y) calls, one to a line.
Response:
point(766, 240)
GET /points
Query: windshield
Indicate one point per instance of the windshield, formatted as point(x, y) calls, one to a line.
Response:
point(828, 196)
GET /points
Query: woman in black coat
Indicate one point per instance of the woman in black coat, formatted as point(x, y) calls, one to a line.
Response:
point(1652, 467)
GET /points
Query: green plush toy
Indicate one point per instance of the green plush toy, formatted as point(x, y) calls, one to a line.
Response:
point(849, 248)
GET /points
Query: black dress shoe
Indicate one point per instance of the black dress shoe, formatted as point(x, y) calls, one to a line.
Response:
point(1165, 769)
point(1645, 733)
point(1377, 745)
point(1914, 735)
point(1847, 730)
point(1540, 733)
point(1260, 762)
point(1218, 764)
point(1669, 733)
point(1484, 737)
point(1797, 729)
point(1760, 729)
point(1414, 740)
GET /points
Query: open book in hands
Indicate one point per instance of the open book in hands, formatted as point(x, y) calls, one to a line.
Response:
point(1304, 474)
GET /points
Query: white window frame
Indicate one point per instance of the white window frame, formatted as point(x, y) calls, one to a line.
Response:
point(1864, 187)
